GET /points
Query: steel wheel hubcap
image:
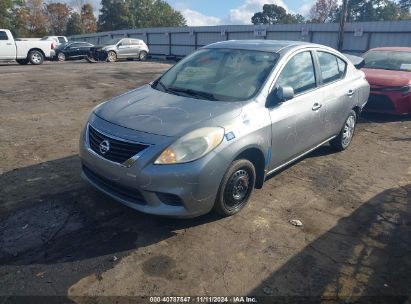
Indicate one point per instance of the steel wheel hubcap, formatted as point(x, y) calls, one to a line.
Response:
point(111, 56)
point(348, 130)
point(237, 189)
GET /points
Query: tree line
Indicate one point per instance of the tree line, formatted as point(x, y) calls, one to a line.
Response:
point(36, 18)
point(324, 11)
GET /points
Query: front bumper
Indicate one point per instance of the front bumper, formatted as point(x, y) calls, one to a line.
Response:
point(389, 102)
point(179, 190)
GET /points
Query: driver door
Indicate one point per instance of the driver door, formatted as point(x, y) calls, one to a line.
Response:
point(296, 124)
point(124, 49)
point(7, 47)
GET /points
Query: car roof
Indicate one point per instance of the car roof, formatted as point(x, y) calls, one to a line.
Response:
point(259, 45)
point(393, 48)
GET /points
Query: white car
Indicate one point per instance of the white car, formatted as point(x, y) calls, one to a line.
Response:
point(23, 51)
point(57, 39)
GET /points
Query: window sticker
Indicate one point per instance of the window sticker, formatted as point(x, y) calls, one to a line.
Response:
point(405, 66)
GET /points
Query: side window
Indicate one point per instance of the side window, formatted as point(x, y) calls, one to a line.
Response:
point(341, 66)
point(329, 66)
point(125, 42)
point(3, 36)
point(61, 39)
point(298, 73)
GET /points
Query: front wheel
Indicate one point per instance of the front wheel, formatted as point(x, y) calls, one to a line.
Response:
point(344, 138)
point(61, 57)
point(36, 57)
point(235, 188)
point(111, 56)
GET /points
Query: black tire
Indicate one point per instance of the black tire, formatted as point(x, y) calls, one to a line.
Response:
point(22, 61)
point(341, 142)
point(35, 57)
point(142, 56)
point(235, 188)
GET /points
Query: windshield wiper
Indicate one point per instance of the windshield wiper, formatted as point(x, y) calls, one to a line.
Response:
point(193, 93)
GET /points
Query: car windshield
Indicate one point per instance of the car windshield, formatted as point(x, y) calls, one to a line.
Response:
point(112, 41)
point(388, 60)
point(218, 74)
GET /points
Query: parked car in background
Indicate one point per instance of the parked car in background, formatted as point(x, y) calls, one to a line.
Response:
point(72, 50)
point(388, 70)
point(57, 39)
point(217, 123)
point(121, 48)
point(23, 51)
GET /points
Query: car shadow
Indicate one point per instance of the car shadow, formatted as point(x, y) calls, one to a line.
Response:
point(365, 254)
point(50, 217)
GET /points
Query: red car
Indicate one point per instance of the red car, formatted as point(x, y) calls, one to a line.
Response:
point(388, 71)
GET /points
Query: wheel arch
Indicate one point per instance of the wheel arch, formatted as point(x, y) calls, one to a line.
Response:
point(257, 158)
point(357, 111)
point(36, 49)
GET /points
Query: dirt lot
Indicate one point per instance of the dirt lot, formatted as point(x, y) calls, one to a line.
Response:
point(58, 236)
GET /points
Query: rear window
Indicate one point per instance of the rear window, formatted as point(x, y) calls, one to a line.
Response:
point(3, 36)
point(332, 68)
point(61, 39)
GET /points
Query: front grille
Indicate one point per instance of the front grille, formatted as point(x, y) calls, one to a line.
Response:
point(126, 193)
point(377, 102)
point(119, 150)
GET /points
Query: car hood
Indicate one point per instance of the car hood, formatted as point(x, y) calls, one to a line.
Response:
point(152, 111)
point(387, 78)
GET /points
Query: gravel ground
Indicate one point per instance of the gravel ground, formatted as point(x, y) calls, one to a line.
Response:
point(58, 236)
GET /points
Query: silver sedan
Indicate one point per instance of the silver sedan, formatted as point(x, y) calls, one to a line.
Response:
point(211, 129)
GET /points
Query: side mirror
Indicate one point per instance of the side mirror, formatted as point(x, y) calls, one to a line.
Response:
point(285, 93)
point(120, 44)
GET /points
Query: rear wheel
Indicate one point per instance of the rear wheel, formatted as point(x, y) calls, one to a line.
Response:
point(36, 57)
point(22, 61)
point(235, 188)
point(344, 138)
point(142, 56)
point(111, 56)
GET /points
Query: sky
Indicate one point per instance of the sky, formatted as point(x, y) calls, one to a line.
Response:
point(215, 12)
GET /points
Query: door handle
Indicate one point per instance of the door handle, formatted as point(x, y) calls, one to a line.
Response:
point(316, 106)
point(350, 92)
point(9, 43)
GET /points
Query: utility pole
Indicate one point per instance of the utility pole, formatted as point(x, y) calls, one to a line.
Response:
point(342, 24)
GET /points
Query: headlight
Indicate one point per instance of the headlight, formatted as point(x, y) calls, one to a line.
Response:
point(192, 146)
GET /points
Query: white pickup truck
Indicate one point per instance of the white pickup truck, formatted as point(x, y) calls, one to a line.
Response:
point(23, 51)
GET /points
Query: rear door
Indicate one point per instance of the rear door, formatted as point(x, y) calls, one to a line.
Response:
point(7, 47)
point(136, 47)
point(296, 126)
point(336, 90)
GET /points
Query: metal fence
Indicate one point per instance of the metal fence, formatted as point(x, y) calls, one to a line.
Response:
point(179, 41)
